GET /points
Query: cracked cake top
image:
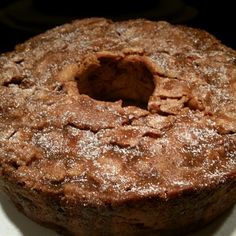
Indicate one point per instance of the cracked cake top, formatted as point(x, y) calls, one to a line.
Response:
point(105, 111)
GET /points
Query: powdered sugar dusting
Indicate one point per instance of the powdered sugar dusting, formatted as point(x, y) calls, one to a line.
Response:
point(89, 147)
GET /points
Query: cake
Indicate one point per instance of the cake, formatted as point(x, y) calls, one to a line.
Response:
point(119, 128)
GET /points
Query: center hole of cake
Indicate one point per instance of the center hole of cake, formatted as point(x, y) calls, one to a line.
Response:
point(112, 79)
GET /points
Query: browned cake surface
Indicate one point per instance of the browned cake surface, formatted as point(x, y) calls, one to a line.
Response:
point(97, 113)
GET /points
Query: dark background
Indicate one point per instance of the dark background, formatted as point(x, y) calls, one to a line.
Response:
point(21, 19)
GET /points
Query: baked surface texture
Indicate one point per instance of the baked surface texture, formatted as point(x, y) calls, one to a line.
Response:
point(119, 128)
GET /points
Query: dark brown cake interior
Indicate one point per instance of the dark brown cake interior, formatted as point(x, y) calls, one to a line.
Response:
point(112, 79)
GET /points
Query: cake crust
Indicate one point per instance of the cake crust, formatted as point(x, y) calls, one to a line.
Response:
point(128, 127)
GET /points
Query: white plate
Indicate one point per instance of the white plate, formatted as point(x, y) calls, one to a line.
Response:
point(13, 223)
